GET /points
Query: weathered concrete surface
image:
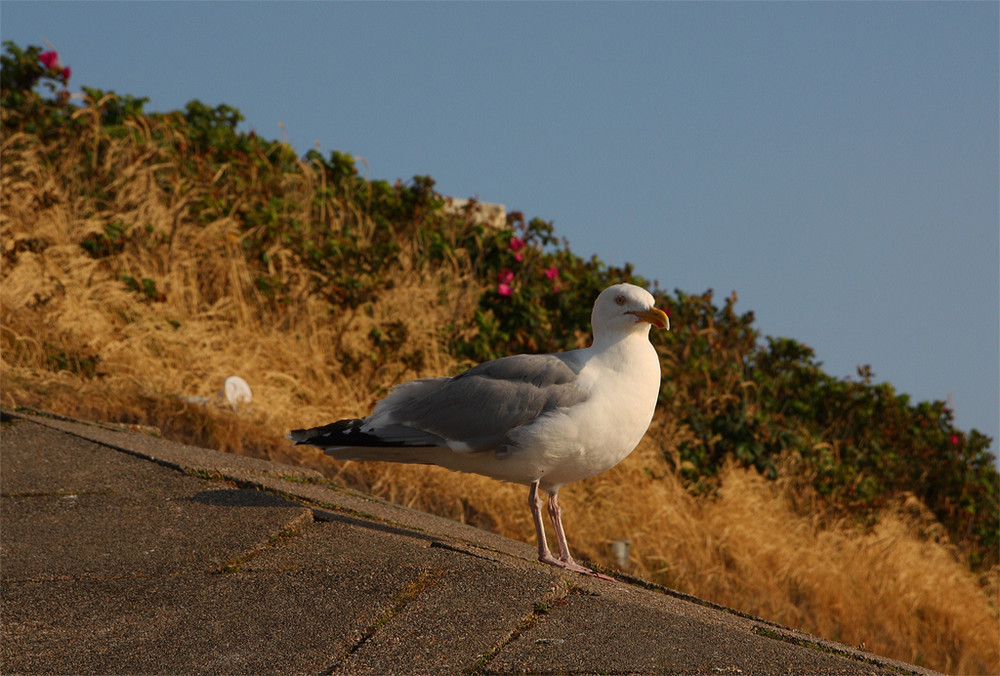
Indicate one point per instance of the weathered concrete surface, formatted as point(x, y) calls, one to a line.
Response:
point(124, 553)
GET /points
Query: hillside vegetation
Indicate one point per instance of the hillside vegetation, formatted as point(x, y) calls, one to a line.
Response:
point(148, 256)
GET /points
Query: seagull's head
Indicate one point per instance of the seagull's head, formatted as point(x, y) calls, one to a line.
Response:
point(623, 308)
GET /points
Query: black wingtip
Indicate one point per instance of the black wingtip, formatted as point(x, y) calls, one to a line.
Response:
point(338, 434)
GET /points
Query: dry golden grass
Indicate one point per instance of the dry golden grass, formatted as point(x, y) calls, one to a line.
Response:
point(758, 546)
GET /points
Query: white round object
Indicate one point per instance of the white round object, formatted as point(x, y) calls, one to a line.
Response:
point(236, 391)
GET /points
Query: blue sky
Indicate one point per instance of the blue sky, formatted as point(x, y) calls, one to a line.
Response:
point(835, 164)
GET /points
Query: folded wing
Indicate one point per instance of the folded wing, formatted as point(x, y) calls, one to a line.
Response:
point(474, 411)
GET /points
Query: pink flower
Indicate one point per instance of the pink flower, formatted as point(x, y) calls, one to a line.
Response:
point(519, 256)
point(504, 278)
point(66, 72)
point(516, 244)
point(954, 440)
point(551, 273)
point(49, 59)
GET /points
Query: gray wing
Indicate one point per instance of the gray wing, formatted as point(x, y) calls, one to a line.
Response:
point(479, 407)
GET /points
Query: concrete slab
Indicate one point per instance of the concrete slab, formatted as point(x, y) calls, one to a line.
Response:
point(39, 460)
point(449, 611)
point(112, 563)
point(455, 621)
point(81, 536)
point(329, 498)
point(178, 456)
point(597, 634)
point(262, 623)
point(283, 479)
point(110, 515)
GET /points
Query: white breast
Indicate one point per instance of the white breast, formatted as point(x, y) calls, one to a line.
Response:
point(577, 443)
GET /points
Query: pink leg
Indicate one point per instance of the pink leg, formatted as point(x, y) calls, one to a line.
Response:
point(555, 513)
point(535, 503)
point(565, 560)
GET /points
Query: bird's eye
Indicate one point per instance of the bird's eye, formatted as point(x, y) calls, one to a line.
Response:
point(620, 300)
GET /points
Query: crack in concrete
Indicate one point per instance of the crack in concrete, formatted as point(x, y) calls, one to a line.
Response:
point(775, 635)
point(289, 531)
point(541, 607)
point(405, 597)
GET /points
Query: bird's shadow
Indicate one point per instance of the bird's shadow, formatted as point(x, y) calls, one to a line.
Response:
point(350, 520)
point(244, 497)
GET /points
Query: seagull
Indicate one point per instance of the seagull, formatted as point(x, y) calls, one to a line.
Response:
point(542, 420)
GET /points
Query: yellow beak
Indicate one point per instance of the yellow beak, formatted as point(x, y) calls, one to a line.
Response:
point(654, 316)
